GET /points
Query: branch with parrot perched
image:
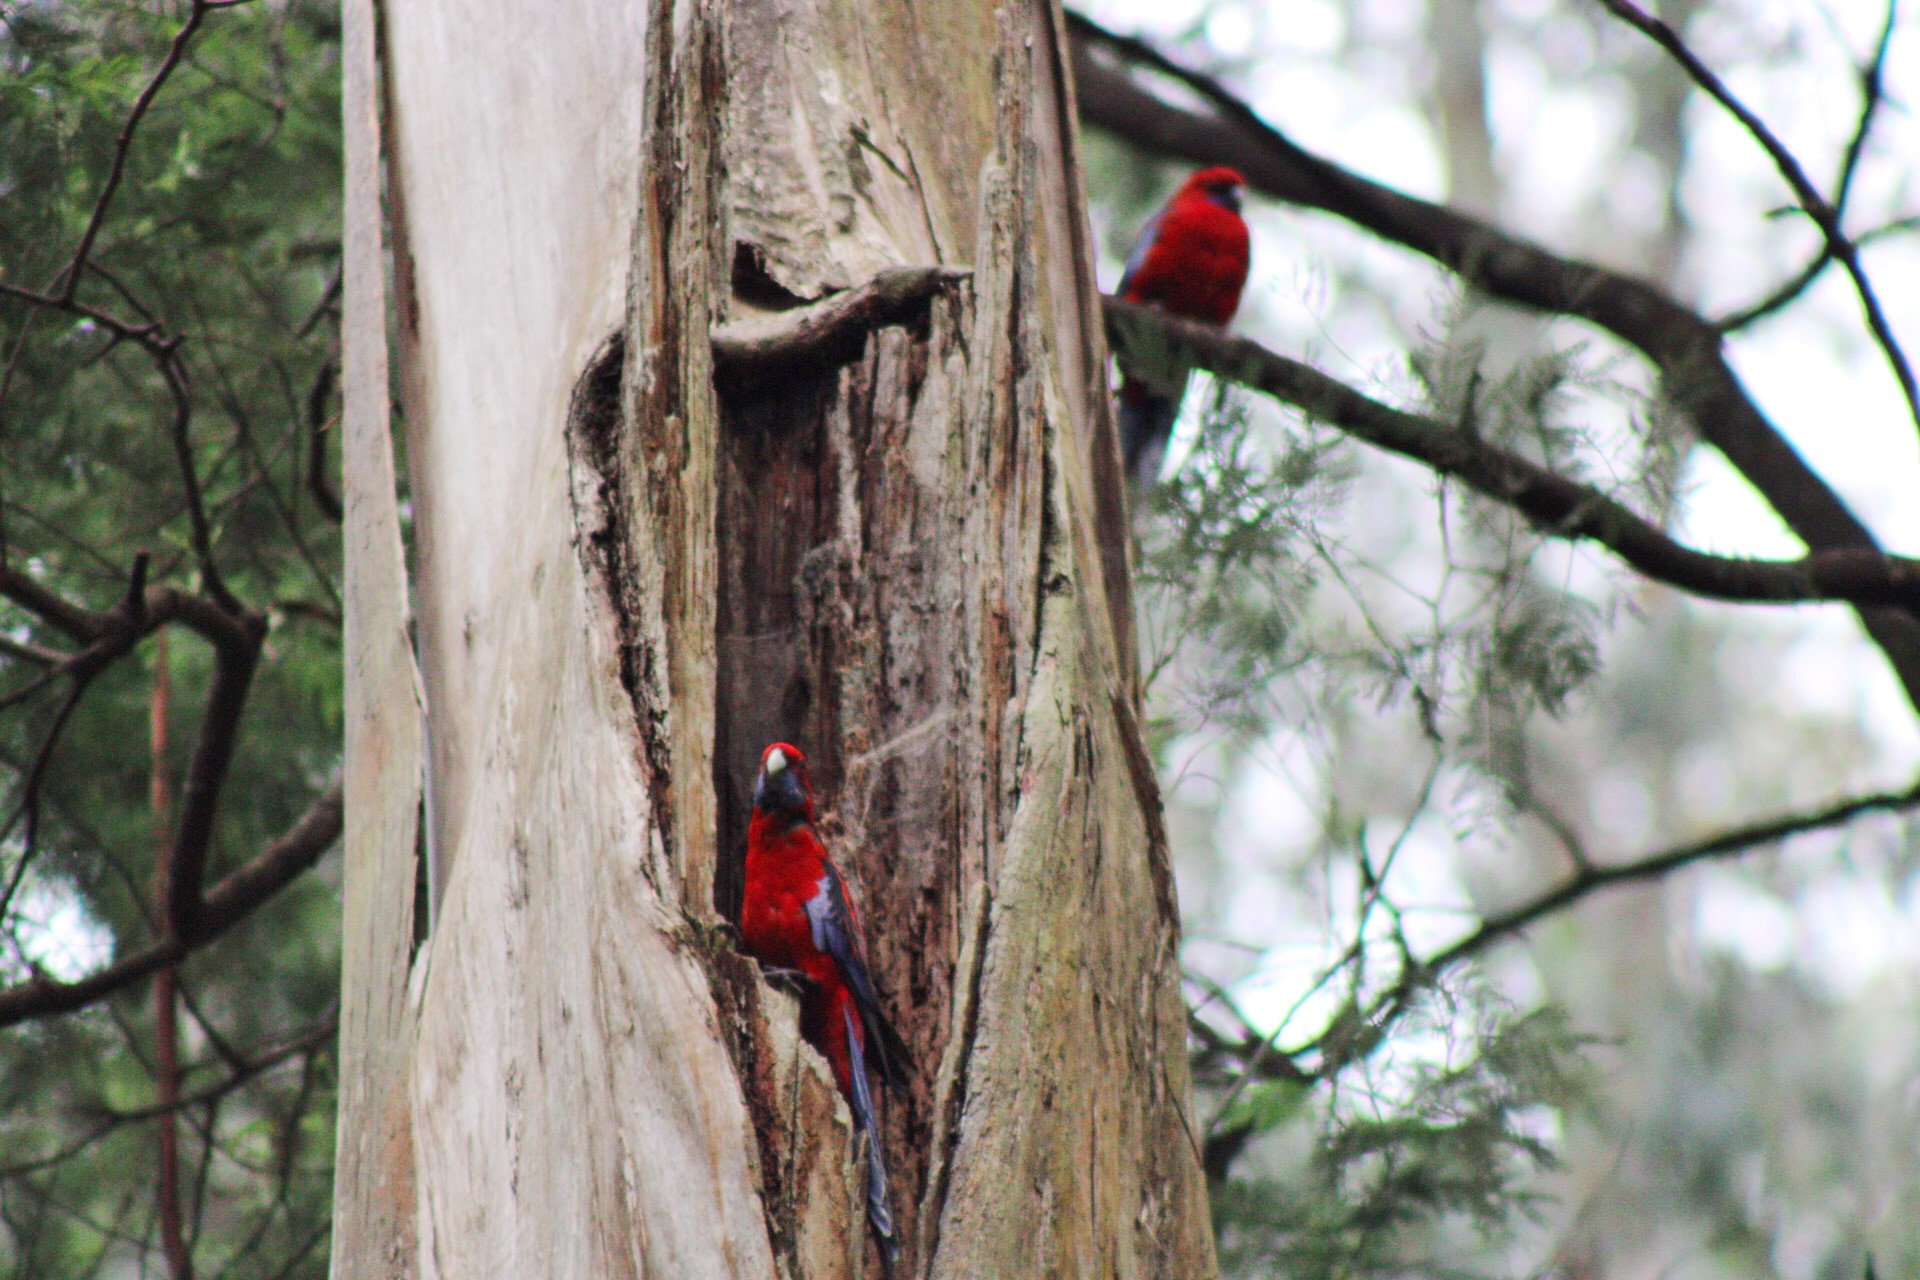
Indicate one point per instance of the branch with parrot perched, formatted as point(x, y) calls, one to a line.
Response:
point(1685, 346)
point(1558, 506)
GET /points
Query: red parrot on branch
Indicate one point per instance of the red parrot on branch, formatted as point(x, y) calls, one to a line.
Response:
point(796, 919)
point(1191, 261)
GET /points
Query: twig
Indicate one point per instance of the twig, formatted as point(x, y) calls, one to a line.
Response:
point(223, 906)
point(68, 281)
point(318, 425)
point(1592, 878)
point(1734, 321)
point(1872, 94)
point(328, 296)
point(29, 803)
point(301, 1042)
point(175, 375)
point(1824, 215)
point(1558, 507)
point(37, 654)
point(249, 447)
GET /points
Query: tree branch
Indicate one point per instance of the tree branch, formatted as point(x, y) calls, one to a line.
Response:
point(1354, 1032)
point(1557, 506)
point(225, 905)
point(68, 281)
point(1683, 346)
point(1812, 203)
point(317, 425)
point(810, 334)
point(39, 655)
point(1872, 95)
point(233, 669)
point(1593, 878)
point(165, 352)
point(236, 640)
point(175, 376)
point(312, 1038)
point(75, 621)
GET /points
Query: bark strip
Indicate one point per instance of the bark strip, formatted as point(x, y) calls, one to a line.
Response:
point(374, 1201)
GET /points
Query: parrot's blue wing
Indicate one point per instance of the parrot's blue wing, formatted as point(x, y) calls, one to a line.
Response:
point(834, 934)
point(1142, 247)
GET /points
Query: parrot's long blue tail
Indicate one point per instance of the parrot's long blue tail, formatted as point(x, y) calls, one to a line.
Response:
point(1146, 422)
point(866, 1121)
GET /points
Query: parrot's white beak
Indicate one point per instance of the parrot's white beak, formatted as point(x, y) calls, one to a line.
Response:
point(776, 761)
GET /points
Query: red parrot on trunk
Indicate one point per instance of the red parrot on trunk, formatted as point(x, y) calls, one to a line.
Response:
point(1191, 261)
point(796, 918)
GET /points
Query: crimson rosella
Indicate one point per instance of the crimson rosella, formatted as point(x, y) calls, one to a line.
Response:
point(796, 918)
point(1191, 261)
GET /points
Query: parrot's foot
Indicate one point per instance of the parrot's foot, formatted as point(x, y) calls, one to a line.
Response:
point(792, 981)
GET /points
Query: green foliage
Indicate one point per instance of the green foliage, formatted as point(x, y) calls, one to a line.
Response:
point(1226, 563)
point(1411, 1134)
point(1413, 1162)
point(224, 231)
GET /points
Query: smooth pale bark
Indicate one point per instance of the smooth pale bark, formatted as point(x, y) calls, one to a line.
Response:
point(373, 1164)
point(907, 554)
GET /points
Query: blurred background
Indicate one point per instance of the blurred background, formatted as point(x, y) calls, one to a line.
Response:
point(1408, 677)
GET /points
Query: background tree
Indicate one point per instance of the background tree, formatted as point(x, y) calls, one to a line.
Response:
point(170, 633)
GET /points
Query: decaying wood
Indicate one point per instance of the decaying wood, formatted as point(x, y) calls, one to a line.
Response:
point(640, 557)
point(828, 332)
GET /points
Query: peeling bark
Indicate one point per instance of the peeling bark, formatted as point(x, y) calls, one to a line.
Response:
point(656, 530)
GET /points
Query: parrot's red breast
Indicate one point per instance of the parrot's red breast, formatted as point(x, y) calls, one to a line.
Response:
point(1192, 257)
point(788, 868)
point(1191, 261)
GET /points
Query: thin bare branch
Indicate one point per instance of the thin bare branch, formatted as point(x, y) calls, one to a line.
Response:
point(148, 335)
point(1872, 96)
point(75, 621)
point(313, 1037)
point(68, 281)
point(38, 654)
point(1355, 1031)
point(1593, 878)
point(1784, 296)
point(1557, 506)
point(175, 375)
point(226, 904)
point(1824, 215)
point(28, 806)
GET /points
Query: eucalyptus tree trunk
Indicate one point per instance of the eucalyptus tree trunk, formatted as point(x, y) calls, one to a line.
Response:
point(754, 388)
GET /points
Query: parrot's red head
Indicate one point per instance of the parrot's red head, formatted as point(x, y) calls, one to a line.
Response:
point(1219, 184)
point(783, 787)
